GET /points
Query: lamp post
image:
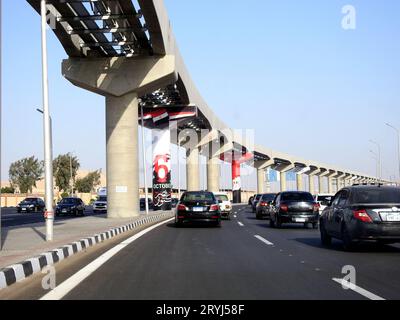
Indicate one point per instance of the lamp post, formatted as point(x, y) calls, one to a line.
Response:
point(146, 190)
point(375, 157)
point(398, 143)
point(379, 159)
point(48, 152)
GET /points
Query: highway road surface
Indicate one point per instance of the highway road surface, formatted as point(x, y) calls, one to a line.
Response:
point(244, 259)
point(11, 218)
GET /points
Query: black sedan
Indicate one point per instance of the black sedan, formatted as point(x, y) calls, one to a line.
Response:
point(362, 213)
point(198, 206)
point(71, 205)
point(31, 205)
point(143, 203)
point(294, 207)
point(263, 208)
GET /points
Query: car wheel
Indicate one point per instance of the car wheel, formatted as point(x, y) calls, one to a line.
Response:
point(305, 225)
point(315, 225)
point(218, 224)
point(348, 243)
point(258, 217)
point(326, 239)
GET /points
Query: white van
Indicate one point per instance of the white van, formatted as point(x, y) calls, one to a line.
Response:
point(225, 205)
point(100, 205)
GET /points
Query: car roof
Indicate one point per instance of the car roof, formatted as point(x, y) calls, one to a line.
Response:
point(372, 187)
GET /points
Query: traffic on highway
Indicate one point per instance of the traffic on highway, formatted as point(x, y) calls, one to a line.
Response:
point(200, 159)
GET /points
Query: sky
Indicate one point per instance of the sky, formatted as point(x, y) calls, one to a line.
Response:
point(286, 69)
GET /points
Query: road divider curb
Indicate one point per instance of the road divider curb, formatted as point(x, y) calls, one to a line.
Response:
point(20, 271)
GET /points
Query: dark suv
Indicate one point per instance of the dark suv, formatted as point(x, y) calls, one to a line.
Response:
point(31, 205)
point(294, 207)
point(70, 205)
point(362, 213)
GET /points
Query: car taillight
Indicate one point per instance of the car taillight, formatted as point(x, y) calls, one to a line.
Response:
point(284, 207)
point(316, 207)
point(362, 215)
point(214, 207)
point(263, 204)
point(182, 207)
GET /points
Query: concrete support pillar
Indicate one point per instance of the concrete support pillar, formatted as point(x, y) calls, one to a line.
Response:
point(283, 181)
point(122, 156)
point(311, 184)
point(339, 183)
point(330, 185)
point(213, 174)
point(192, 169)
point(299, 181)
point(260, 180)
point(321, 184)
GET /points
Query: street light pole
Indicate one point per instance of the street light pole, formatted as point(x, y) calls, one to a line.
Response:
point(379, 158)
point(48, 152)
point(146, 200)
point(375, 157)
point(398, 143)
point(179, 170)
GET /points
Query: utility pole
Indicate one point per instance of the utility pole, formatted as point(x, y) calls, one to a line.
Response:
point(48, 152)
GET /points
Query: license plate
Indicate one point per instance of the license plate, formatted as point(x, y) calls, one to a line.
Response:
point(393, 217)
point(23, 209)
point(64, 210)
point(198, 209)
point(300, 219)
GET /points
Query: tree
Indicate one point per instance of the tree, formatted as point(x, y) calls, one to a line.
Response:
point(62, 167)
point(88, 183)
point(24, 173)
point(7, 190)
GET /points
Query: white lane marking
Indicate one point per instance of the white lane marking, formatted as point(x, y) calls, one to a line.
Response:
point(240, 224)
point(68, 285)
point(264, 240)
point(235, 216)
point(358, 289)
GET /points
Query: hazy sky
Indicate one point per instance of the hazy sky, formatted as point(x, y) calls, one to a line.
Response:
point(284, 68)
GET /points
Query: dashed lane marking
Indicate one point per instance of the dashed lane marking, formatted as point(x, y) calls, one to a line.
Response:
point(264, 240)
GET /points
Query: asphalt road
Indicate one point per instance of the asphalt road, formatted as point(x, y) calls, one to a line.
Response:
point(11, 218)
point(232, 263)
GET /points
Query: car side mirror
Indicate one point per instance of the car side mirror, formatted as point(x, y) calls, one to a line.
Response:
point(327, 203)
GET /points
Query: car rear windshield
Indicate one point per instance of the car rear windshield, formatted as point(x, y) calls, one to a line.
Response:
point(297, 196)
point(67, 201)
point(377, 196)
point(324, 198)
point(258, 196)
point(30, 200)
point(101, 198)
point(268, 197)
point(198, 196)
point(222, 197)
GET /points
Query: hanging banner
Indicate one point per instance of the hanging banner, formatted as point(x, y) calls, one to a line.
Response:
point(158, 119)
point(162, 185)
point(236, 182)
